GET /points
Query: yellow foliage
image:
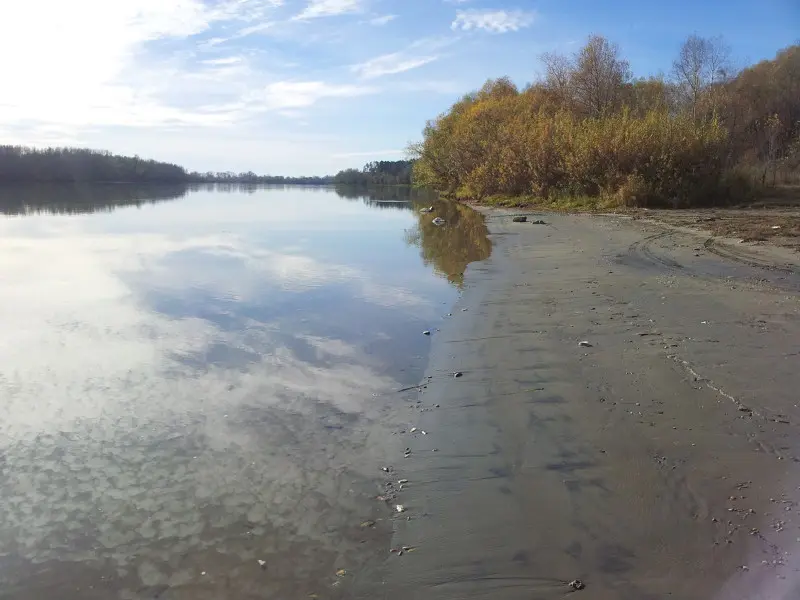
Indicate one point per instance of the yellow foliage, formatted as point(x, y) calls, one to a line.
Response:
point(500, 142)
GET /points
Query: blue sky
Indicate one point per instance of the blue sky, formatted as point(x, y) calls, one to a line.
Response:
point(312, 86)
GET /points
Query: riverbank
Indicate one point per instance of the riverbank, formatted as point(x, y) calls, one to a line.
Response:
point(658, 459)
point(772, 217)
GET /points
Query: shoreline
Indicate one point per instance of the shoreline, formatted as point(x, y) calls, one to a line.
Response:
point(632, 465)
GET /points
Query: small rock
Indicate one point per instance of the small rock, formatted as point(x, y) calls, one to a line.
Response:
point(400, 508)
point(341, 573)
point(458, 374)
point(538, 222)
point(426, 332)
point(413, 430)
point(577, 584)
point(585, 344)
point(519, 219)
point(402, 481)
point(438, 221)
point(262, 564)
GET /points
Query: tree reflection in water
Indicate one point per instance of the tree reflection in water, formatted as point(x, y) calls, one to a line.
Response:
point(68, 199)
point(448, 248)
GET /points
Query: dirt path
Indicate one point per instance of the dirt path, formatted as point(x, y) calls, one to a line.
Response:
point(660, 461)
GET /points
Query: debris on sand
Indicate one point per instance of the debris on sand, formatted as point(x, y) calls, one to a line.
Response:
point(426, 210)
point(577, 584)
point(386, 469)
point(519, 219)
point(413, 430)
point(746, 409)
point(438, 221)
point(458, 374)
point(585, 344)
point(538, 222)
point(262, 564)
point(402, 481)
point(400, 508)
point(426, 332)
point(341, 573)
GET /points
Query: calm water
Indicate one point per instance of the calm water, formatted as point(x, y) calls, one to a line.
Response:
point(196, 380)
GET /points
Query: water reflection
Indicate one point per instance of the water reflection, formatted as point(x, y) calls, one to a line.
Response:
point(390, 196)
point(188, 390)
point(449, 248)
point(81, 199)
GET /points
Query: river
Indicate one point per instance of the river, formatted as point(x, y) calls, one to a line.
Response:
point(199, 385)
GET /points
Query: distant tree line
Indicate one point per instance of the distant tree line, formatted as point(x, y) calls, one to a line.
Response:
point(382, 172)
point(251, 178)
point(20, 164)
point(589, 129)
point(75, 165)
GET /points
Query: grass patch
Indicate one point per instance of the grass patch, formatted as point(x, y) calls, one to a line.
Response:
point(560, 203)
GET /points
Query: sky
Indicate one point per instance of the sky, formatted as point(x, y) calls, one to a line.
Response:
point(299, 87)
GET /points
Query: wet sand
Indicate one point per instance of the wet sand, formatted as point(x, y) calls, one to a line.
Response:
point(661, 461)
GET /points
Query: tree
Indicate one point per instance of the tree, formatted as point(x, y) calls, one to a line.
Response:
point(558, 75)
point(599, 76)
point(701, 63)
point(592, 80)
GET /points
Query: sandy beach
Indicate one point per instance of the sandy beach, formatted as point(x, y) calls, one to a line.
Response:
point(626, 415)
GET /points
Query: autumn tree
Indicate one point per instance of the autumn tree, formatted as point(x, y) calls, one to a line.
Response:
point(599, 75)
point(701, 63)
point(591, 80)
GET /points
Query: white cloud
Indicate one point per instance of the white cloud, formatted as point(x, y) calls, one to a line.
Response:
point(230, 60)
point(328, 8)
point(301, 94)
point(390, 64)
point(493, 21)
point(76, 74)
point(369, 153)
point(382, 20)
point(258, 28)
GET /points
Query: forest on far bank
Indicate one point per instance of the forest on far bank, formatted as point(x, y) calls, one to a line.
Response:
point(21, 164)
point(589, 131)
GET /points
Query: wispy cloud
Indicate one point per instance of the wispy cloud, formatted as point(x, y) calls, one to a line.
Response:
point(390, 64)
point(79, 86)
point(328, 8)
point(257, 28)
point(369, 153)
point(302, 94)
point(382, 20)
point(493, 21)
point(230, 60)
